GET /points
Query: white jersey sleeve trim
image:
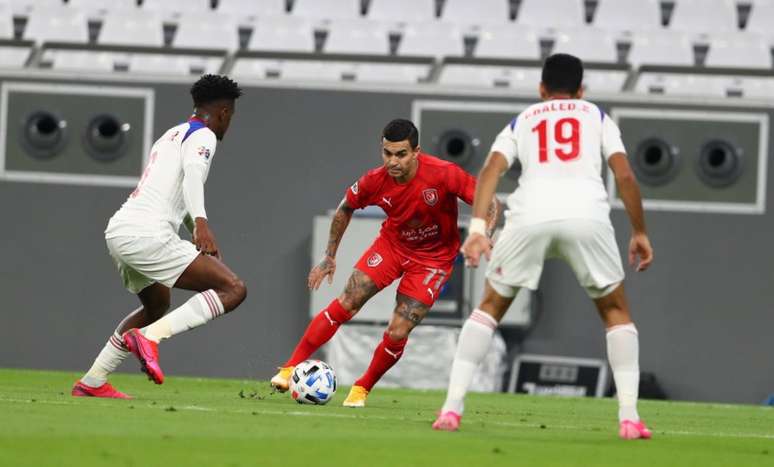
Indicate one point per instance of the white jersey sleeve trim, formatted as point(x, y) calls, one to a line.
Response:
point(505, 143)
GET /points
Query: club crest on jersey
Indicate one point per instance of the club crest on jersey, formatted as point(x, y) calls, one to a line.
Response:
point(430, 196)
point(204, 152)
point(354, 188)
point(374, 260)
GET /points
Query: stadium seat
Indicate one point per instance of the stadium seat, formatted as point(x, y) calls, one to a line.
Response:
point(660, 48)
point(477, 12)
point(207, 31)
point(14, 57)
point(136, 28)
point(326, 9)
point(487, 76)
point(739, 51)
point(628, 15)
point(360, 36)
point(508, 42)
point(391, 73)
point(556, 14)
point(99, 8)
point(432, 39)
point(719, 16)
point(590, 44)
point(6, 21)
point(761, 18)
point(173, 64)
point(252, 7)
point(57, 24)
point(286, 34)
point(402, 10)
point(682, 85)
point(77, 60)
point(25, 7)
point(176, 7)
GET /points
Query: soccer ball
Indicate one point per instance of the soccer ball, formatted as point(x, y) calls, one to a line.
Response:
point(312, 382)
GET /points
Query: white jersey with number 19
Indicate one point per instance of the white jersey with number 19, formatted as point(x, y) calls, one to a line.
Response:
point(560, 144)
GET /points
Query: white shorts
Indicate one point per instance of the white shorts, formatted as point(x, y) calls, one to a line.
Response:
point(588, 246)
point(143, 261)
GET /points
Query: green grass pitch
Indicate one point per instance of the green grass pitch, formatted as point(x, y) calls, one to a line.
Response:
point(216, 422)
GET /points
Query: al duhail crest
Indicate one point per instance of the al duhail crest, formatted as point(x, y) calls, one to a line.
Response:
point(430, 196)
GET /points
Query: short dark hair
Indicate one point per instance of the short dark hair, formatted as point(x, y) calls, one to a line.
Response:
point(562, 73)
point(211, 88)
point(401, 129)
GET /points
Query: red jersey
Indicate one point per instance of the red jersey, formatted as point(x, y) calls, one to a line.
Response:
point(421, 214)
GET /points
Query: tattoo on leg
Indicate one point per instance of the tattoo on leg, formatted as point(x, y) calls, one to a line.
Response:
point(359, 288)
point(410, 309)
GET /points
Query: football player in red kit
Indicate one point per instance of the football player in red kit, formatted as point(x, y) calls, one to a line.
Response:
point(417, 244)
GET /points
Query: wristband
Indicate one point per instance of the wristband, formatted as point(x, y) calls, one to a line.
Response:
point(477, 226)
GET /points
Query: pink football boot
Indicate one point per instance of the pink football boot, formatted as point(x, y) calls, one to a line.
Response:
point(634, 430)
point(147, 352)
point(448, 421)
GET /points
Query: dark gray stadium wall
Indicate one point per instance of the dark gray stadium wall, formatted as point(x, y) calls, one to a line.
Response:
point(703, 310)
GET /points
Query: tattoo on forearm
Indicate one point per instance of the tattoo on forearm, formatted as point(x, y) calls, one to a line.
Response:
point(359, 289)
point(338, 226)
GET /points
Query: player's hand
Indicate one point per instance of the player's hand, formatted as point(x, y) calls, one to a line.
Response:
point(326, 267)
point(204, 239)
point(640, 249)
point(476, 245)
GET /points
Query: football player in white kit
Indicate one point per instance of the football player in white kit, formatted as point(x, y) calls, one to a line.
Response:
point(559, 210)
point(142, 238)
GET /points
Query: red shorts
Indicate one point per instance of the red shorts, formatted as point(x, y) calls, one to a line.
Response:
point(383, 265)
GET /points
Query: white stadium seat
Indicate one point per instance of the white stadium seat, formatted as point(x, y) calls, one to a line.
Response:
point(704, 16)
point(173, 64)
point(554, 14)
point(739, 51)
point(761, 18)
point(77, 60)
point(589, 44)
point(14, 57)
point(252, 7)
point(432, 39)
point(628, 15)
point(359, 36)
point(287, 34)
point(6, 21)
point(508, 42)
point(402, 10)
point(488, 76)
point(207, 31)
point(476, 12)
point(326, 9)
point(99, 8)
point(137, 28)
point(682, 85)
point(661, 48)
point(57, 24)
point(26, 7)
point(177, 7)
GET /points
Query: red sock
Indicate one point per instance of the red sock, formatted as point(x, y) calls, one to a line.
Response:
point(387, 354)
point(319, 331)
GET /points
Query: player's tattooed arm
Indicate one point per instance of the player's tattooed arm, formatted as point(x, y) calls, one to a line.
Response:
point(327, 266)
point(411, 310)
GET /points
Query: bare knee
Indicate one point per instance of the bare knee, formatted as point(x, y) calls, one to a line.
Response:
point(398, 332)
point(233, 294)
point(350, 303)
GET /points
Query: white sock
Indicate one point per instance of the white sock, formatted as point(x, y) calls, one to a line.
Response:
point(623, 351)
point(106, 362)
point(199, 309)
point(474, 342)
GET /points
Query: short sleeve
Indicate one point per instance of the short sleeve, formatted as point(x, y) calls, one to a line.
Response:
point(505, 142)
point(461, 183)
point(199, 148)
point(611, 138)
point(359, 193)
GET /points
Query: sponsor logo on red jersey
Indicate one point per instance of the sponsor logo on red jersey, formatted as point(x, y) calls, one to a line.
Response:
point(430, 196)
point(374, 260)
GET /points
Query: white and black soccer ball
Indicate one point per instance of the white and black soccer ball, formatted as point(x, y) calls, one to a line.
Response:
point(313, 382)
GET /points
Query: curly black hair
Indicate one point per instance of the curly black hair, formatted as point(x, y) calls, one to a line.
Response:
point(210, 88)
